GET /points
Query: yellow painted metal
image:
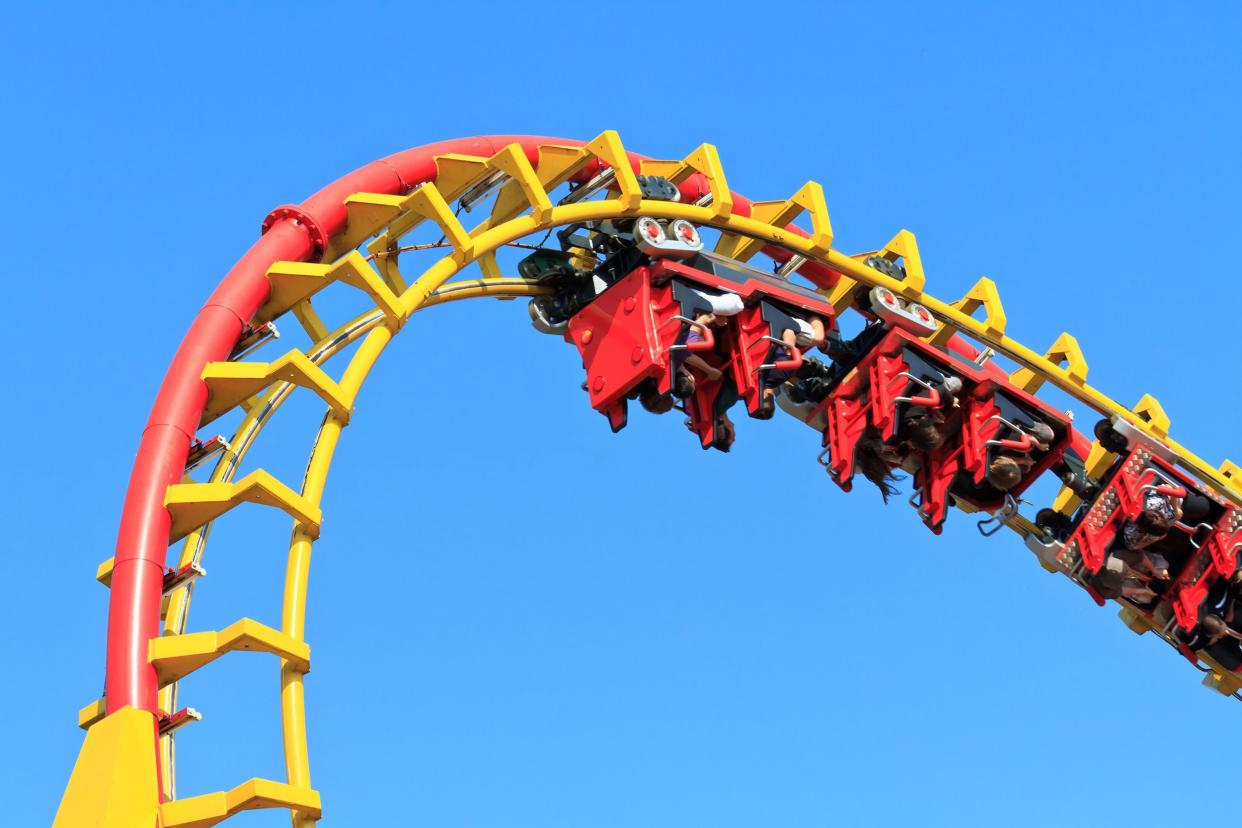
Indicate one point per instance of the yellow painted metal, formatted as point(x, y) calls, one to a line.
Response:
point(1231, 473)
point(103, 573)
point(231, 383)
point(1149, 410)
point(354, 271)
point(1223, 682)
point(427, 202)
point(607, 147)
point(983, 295)
point(92, 713)
point(456, 173)
point(214, 808)
point(706, 161)
point(557, 164)
point(1137, 623)
point(776, 213)
point(522, 190)
point(113, 782)
point(176, 656)
point(291, 283)
point(192, 505)
point(366, 213)
point(309, 320)
point(904, 246)
point(1064, 352)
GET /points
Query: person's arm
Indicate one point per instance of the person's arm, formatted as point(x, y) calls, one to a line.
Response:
point(701, 365)
point(818, 332)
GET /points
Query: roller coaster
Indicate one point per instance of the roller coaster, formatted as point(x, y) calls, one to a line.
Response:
point(615, 261)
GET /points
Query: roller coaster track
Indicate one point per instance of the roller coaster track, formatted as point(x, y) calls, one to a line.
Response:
point(350, 233)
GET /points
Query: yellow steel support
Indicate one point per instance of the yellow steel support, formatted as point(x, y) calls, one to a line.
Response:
point(780, 214)
point(309, 320)
point(1149, 410)
point(1223, 682)
point(1231, 473)
point(92, 713)
point(103, 572)
point(291, 282)
point(706, 161)
point(427, 202)
point(522, 190)
point(1064, 351)
point(607, 147)
point(905, 247)
point(113, 782)
point(231, 383)
point(354, 271)
point(214, 808)
point(557, 164)
point(367, 214)
point(1137, 623)
point(456, 173)
point(176, 656)
point(192, 505)
point(982, 295)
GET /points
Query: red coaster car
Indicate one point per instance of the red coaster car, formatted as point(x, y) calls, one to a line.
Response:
point(902, 371)
point(629, 333)
point(1202, 554)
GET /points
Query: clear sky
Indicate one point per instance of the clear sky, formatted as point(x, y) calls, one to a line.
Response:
point(518, 618)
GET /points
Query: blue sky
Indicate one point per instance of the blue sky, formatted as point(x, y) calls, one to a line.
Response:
point(518, 618)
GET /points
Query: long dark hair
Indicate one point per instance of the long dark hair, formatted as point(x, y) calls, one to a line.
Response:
point(870, 462)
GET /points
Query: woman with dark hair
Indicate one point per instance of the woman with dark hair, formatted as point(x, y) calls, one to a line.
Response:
point(874, 460)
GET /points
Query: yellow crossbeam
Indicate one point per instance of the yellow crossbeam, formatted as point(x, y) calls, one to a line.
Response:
point(291, 282)
point(368, 213)
point(1064, 352)
point(176, 656)
point(192, 505)
point(213, 808)
point(229, 384)
point(93, 712)
point(456, 173)
point(607, 147)
point(781, 214)
point(522, 190)
point(427, 201)
point(905, 247)
point(983, 295)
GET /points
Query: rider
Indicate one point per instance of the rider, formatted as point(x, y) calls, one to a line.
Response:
point(807, 333)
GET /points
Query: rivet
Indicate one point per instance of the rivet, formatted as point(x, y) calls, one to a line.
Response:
point(598, 385)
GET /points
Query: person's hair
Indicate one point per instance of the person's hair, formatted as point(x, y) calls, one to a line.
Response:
point(725, 435)
point(683, 384)
point(871, 464)
point(1004, 473)
point(922, 434)
point(1213, 626)
point(651, 399)
point(1153, 522)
